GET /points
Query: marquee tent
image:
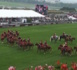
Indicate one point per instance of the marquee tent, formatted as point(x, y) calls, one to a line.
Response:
point(5, 13)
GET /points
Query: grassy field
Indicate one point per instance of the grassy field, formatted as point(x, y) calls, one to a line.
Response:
point(21, 59)
point(15, 4)
point(26, 5)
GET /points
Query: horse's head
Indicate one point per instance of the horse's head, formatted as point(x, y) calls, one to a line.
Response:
point(60, 47)
point(73, 38)
point(36, 44)
point(75, 47)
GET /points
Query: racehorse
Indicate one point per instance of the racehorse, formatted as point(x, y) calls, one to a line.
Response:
point(69, 39)
point(22, 43)
point(63, 36)
point(65, 50)
point(3, 36)
point(44, 47)
point(30, 45)
point(39, 48)
point(54, 38)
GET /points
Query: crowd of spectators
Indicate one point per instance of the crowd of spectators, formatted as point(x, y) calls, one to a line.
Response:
point(56, 19)
point(48, 19)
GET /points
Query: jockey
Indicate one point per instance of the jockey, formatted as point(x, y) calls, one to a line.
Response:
point(70, 36)
point(63, 34)
point(41, 44)
point(17, 33)
point(8, 31)
point(28, 40)
point(45, 44)
point(65, 45)
point(25, 41)
point(5, 33)
point(54, 35)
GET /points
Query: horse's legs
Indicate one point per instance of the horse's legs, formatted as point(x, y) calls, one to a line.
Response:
point(69, 53)
point(51, 39)
point(60, 38)
point(56, 39)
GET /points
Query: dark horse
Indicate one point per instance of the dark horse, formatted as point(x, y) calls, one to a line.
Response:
point(63, 37)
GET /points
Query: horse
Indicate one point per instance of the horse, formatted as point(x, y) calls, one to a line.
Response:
point(17, 33)
point(63, 36)
point(48, 47)
point(65, 50)
point(69, 50)
point(3, 36)
point(69, 39)
point(62, 49)
point(44, 47)
point(39, 47)
point(30, 45)
point(54, 38)
point(22, 44)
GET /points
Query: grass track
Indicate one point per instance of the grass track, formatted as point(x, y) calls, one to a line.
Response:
point(22, 59)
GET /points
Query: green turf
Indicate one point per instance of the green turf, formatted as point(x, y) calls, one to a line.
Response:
point(22, 59)
point(26, 5)
point(15, 4)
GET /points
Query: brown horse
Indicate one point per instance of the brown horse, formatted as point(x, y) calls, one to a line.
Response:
point(44, 47)
point(69, 39)
point(39, 48)
point(30, 45)
point(22, 44)
point(3, 36)
point(65, 50)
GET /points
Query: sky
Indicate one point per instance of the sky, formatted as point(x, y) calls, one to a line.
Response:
point(69, 1)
